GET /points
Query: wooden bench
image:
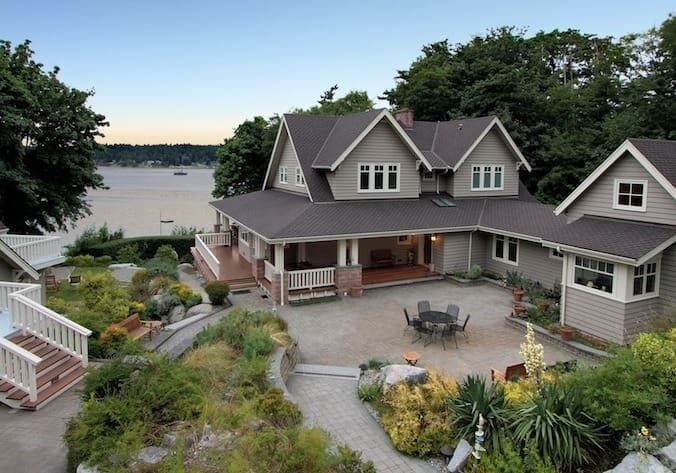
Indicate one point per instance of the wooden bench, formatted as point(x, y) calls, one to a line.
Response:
point(382, 257)
point(512, 371)
point(137, 328)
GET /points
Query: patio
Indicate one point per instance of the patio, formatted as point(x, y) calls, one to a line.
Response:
point(352, 330)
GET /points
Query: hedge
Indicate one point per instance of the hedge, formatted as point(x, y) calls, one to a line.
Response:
point(147, 245)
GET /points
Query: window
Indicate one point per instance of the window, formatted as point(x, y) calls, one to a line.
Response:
point(645, 279)
point(488, 177)
point(428, 176)
point(244, 236)
point(594, 274)
point(630, 194)
point(284, 175)
point(506, 249)
point(300, 180)
point(555, 254)
point(378, 177)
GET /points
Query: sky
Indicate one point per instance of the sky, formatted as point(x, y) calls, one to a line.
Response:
point(190, 72)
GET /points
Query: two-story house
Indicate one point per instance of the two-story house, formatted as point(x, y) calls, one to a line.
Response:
point(367, 199)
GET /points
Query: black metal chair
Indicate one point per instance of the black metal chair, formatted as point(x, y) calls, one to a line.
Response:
point(411, 321)
point(461, 328)
point(424, 328)
point(449, 330)
point(453, 310)
point(423, 306)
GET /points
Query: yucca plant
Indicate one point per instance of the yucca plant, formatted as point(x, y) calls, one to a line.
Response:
point(476, 396)
point(558, 427)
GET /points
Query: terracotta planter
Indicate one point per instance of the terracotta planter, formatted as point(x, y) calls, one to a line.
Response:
point(517, 294)
point(519, 309)
point(543, 306)
point(566, 333)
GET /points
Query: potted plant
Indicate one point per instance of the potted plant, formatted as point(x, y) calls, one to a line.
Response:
point(566, 333)
point(519, 309)
point(517, 293)
point(542, 303)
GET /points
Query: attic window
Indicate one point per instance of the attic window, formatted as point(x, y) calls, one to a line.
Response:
point(378, 177)
point(630, 194)
point(487, 177)
point(443, 202)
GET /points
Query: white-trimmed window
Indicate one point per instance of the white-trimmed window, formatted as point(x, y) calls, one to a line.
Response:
point(506, 249)
point(645, 279)
point(378, 177)
point(244, 237)
point(594, 274)
point(284, 175)
point(630, 194)
point(487, 177)
point(555, 254)
point(300, 180)
point(428, 176)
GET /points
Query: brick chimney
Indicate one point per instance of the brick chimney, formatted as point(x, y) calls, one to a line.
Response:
point(405, 117)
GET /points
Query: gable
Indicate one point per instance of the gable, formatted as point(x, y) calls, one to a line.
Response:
point(284, 155)
point(598, 198)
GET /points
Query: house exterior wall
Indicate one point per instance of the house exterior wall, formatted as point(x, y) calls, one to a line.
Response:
point(428, 186)
point(5, 271)
point(454, 250)
point(598, 316)
point(491, 150)
point(638, 315)
point(382, 145)
point(400, 252)
point(287, 157)
point(598, 199)
point(668, 278)
point(480, 251)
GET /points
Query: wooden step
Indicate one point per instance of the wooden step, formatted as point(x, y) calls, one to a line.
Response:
point(19, 339)
point(33, 345)
point(55, 389)
point(52, 360)
point(46, 351)
point(46, 379)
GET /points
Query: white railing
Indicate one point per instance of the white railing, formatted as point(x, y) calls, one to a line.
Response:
point(47, 325)
point(270, 270)
point(215, 239)
point(34, 248)
point(19, 367)
point(208, 255)
point(311, 278)
point(31, 291)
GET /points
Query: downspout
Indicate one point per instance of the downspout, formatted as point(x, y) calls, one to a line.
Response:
point(564, 276)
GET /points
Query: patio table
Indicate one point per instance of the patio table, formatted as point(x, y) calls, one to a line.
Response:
point(439, 322)
point(436, 317)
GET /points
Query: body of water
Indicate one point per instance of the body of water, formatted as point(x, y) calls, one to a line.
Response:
point(138, 198)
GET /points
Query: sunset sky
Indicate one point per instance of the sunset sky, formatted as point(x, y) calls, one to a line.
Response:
point(175, 72)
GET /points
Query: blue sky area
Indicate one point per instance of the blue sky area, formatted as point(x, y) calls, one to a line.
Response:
point(169, 71)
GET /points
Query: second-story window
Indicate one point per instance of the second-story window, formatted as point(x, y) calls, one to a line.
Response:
point(300, 180)
point(630, 194)
point(487, 177)
point(380, 177)
point(284, 175)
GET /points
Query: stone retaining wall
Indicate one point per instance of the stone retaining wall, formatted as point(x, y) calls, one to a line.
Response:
point(284, 361)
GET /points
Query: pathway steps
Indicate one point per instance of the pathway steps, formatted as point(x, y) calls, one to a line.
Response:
point(326, 370)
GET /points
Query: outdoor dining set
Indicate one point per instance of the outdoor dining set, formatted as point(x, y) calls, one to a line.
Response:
point(435, 324)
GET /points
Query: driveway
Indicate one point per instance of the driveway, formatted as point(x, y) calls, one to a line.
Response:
point(352, 330)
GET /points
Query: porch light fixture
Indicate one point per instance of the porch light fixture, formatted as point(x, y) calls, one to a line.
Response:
point(434, 237)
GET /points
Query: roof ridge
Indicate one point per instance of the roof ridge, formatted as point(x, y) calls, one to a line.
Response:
point(481, 214)
point(434, 138)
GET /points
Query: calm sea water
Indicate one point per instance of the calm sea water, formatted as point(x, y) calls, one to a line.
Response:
point(138, 197)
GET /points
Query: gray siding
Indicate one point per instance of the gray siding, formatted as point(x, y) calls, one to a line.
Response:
point(428, 186)
point(400, 252)
point(491, 150)
point(446, 182)
point(668, 277)
point(480, 249)
point(534, 263)
point(382, 145)
point(287, 157)
point(638, 316)
point(595, 315)
point(598, 199)
point(455, 252)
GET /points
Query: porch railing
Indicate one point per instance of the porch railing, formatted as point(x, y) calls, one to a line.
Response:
point(270, 270)
point(19, 367)
point(34, 248)
point(31, 291)
point(208, 255)
point(215, 239)
point(311, 278)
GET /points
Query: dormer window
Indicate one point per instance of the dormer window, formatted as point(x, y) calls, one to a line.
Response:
point(300, 180)
point(428, 176)
point(487, 177)
point(630, 194)
point(284, 175)
point(378, 177)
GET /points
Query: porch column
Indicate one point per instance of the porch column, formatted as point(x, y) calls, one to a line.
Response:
point(420, 254)
point(342, 253)
point(302, 252)
point(279, 256)
point(354, 251)
point(218, 225)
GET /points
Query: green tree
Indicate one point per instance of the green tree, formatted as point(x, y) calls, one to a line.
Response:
point(352, 102)
point(47, 145)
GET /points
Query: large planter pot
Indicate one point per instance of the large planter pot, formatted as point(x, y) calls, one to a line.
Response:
point(543, 306)
point(518, 310)
point(566, 333)
point(517, 294)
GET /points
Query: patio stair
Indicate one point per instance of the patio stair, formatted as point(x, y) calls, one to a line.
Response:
point(242, 283)
point(56, 372)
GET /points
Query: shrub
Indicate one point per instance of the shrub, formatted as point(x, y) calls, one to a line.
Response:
point(474, 272)
point(272, 407)
point(165, 303)
point(558, 427)
point(162, 267)
point(166, 251)
point(217, 291)
point(81, 261)
point(139, 288)
point(476, 396)
point(642, 441)
point(377, 363)
point(188, 297)
point(252, 373)
point(519, 391)
point(108, 379)
point(415, 416)
point(159, 284)
point(103, 260)
point(192, 300)
point(103, 294)
point(257, 342)
point(368, 392)
point(655, 353)
point(128, 254)
point(57, 304)
point(91, 237)
point(147, 245)
point(234, 326)
point(508, 459)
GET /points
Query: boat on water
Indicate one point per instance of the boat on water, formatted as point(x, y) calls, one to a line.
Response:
point(181, 172)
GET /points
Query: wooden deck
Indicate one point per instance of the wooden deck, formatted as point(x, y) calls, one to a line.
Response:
point(395, 273)
point(234, 268)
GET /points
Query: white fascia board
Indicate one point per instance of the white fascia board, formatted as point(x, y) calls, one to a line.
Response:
point(282, 125)
point(656, 251)
point(590, 253)
point(18, 260)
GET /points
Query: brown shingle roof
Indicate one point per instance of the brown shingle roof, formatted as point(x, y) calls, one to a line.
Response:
point(661, 153)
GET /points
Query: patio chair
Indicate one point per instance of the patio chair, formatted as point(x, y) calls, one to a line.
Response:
point(449, 329)
point(411, 321)
point(423, 329)
point(423, 306)
point(453, 310)
point(461, 328)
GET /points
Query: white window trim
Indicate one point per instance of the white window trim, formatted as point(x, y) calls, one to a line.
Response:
point(299, 174)
point(616, 196)
point(241, 234)
point(505, 259)
point(553, 256)
point(428, 179)
point(283, 173)
point(372, 179)
point(481, 188)
point(630, 282)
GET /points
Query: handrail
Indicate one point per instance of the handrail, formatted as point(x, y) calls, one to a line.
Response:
point(311, 278)
point(208, 255)
point(32, 291)
point(270, 270)
point(34, 248)
point(49, 313)
point(19, 367)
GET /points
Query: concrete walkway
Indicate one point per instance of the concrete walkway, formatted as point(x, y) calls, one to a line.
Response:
point(331, 403)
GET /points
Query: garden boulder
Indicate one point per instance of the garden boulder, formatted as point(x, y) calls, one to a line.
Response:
point(199, 309)
point(667, 455)
point(82, 468)
point(638, 463)
point(460, 456)
point(184, 266)
point(151, 455)
point(393, 374)
point(176, 314)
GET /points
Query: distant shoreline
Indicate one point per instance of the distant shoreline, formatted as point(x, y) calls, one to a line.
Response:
point(193, 166)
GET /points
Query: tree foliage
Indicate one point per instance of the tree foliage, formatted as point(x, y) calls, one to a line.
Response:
point(47, 145)
point(161, 155)
point(568, 98)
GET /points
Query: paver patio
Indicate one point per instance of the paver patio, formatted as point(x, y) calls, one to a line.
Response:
point(352, 330)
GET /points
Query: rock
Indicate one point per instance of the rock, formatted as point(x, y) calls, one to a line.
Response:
point(152, 455)
point(169, 439)
point(460, 456)
point(135, 360)
point(183, 266)
point(257, 424)
point(82, 468)
point(176, 314)
point(214, 440)
point(121, 266)
point(671, 426)
point(199, 309)
point(639, 463)
point(394, 374)
point(667, 455)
